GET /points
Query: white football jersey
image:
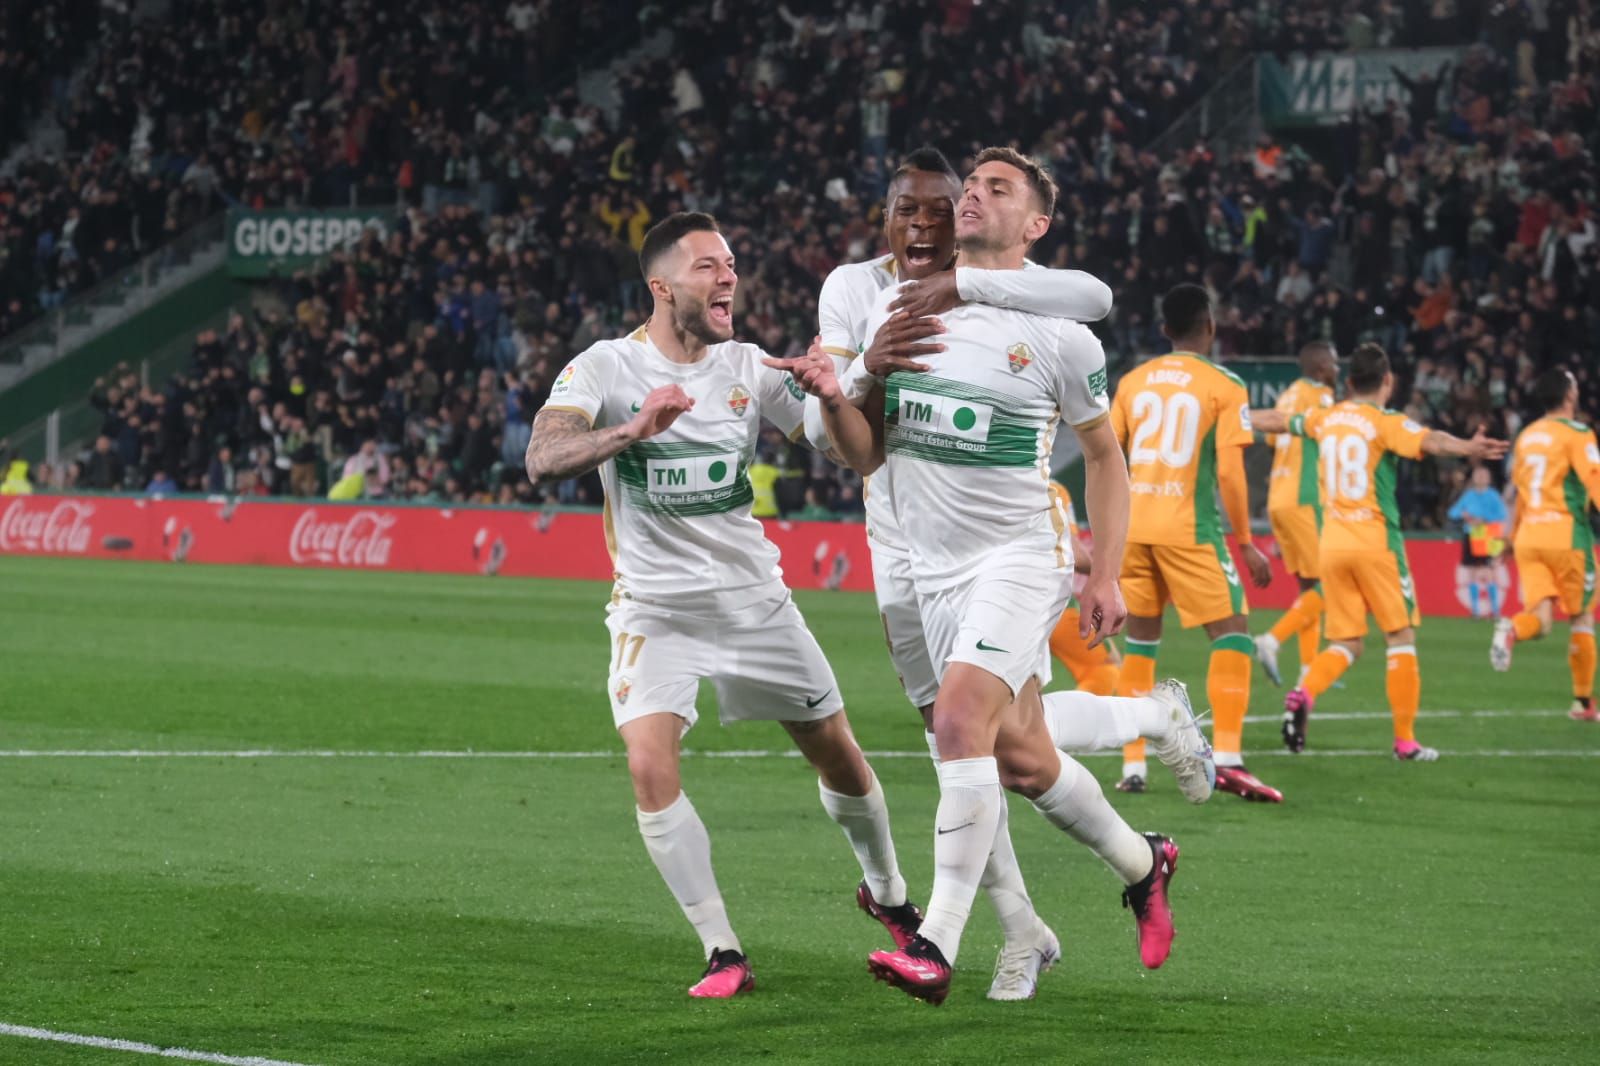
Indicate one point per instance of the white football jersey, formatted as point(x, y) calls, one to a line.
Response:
point(677, 507)
point(968, 441)
point(851, 292)
point(846, 300)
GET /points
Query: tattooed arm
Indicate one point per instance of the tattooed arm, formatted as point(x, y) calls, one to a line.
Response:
point(564, 446)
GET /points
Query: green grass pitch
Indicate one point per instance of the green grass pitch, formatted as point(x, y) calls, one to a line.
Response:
point(419, 911)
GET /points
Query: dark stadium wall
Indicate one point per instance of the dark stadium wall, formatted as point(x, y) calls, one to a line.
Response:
point(69, 380)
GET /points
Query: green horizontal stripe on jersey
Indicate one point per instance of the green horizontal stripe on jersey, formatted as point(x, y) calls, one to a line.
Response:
point(680, 449)
point(957, 424)
point(958, 390)
point(729, 488)
point(695, 506)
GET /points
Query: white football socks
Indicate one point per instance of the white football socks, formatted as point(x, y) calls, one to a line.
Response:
point(1082, 721)
point(865, 821)
point(1002, 877)
point(1002, 880)
point(964, 827)
point(679, 846)
point(1076, 806)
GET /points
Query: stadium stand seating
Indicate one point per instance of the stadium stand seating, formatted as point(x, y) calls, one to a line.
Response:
point(1457, 228)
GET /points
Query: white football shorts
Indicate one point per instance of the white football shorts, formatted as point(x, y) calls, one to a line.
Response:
point(762, 660)
point(902, 626)
point(1000, 618)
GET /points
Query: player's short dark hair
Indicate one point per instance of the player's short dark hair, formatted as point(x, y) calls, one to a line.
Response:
point(661, 237)
point(1550, 388)
point(925, 160)
point(1369, 364)
point(1039, 179)
point(1185, 309)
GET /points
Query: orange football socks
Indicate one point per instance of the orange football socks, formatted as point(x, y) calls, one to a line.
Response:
point(1326, 668)
point(1136, 678)
point(1581, 658)
point(1228, 688)
point(1404, 683)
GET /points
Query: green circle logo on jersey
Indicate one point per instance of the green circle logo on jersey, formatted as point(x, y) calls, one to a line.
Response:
point(717, 471)
point(964, 418)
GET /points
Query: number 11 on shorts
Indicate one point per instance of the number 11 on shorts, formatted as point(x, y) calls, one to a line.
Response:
point(628, 648)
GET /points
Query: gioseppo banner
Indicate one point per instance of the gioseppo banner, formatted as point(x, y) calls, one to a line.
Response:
point(262, 243)
point(1320, 89)
point(487, 541)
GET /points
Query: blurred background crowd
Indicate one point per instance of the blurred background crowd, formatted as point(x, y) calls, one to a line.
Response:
point(1457, 226)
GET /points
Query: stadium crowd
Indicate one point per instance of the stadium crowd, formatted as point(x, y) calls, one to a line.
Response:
point(1456, 228)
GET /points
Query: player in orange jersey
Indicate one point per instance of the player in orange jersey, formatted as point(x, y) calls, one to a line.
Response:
point(1294, 506)
point(1556, 472)
point(1363, 551)
point(1185, 423)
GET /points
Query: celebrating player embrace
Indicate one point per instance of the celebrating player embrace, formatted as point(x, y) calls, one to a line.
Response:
point(967, 443)
point(670, 415)
point(919, 227)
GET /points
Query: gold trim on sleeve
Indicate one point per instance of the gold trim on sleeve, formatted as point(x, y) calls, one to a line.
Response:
point(1092, 423)
point(567, 407)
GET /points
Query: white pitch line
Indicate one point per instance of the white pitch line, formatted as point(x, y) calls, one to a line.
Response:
point(1361, 716)
point(753, 753)
point(109, 1044)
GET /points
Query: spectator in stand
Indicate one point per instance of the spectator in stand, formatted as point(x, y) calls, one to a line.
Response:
point(103, 471)
point(16, 481)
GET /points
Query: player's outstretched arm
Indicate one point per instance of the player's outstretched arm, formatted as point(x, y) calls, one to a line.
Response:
point(1481, 446)
point(1270, 420)
point(564, 445)
point(857, 439)
point(1101, 611)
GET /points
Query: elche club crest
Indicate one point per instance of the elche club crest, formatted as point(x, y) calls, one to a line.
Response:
point(1020, 356)
point(738, 400)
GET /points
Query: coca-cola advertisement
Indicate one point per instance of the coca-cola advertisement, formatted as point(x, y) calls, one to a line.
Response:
point(355, 538)
point(366, 536)
point(52, 526)
point(471, 540)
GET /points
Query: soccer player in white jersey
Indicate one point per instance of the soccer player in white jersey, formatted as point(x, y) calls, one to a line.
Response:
point(919, 228)
point(967, 444)
point(670, 415)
